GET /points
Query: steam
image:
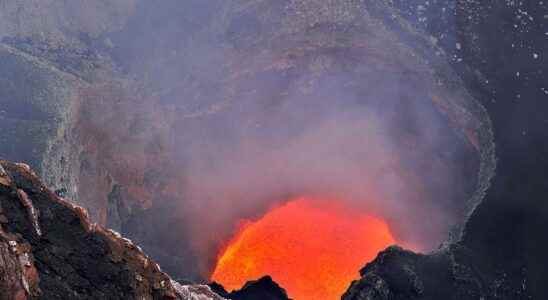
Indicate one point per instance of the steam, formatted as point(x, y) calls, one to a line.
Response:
point(250, 103)
point(378, 158)
point(262, 115)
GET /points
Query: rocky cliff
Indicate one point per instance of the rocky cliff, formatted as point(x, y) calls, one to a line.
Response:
point(50, 249)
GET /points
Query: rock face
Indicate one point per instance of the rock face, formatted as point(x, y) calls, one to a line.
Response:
point(38, 102)
point(453, 273)
point(502, 252)
point(50, 249)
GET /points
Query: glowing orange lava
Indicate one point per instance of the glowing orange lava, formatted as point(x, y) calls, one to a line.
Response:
point(314, 249)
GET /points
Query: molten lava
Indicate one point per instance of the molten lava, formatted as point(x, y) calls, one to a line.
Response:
point(312, 248)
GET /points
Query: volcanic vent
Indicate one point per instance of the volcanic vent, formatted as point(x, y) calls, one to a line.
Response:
point(312, 247)
point(327, 151)
point(376, 165)
point(302, 122)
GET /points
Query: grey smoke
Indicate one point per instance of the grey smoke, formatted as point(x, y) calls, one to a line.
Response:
point(312, 124)
point(256, 102)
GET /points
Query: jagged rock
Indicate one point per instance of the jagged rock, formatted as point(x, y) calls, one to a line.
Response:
point(50, 249)
point(197, 292)
point(399, 274)
point(264, 289)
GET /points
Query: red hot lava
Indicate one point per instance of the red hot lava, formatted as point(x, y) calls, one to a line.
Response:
point(313, 248)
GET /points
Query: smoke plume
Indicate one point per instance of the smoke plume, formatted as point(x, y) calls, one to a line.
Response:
point(232, 107)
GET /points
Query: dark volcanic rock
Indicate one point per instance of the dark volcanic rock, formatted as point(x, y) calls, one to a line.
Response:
point(264, 289)
point(50, 249)
point(399, 274)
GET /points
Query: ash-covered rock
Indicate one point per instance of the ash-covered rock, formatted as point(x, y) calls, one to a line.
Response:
point(50, 249)
point(196, 292)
